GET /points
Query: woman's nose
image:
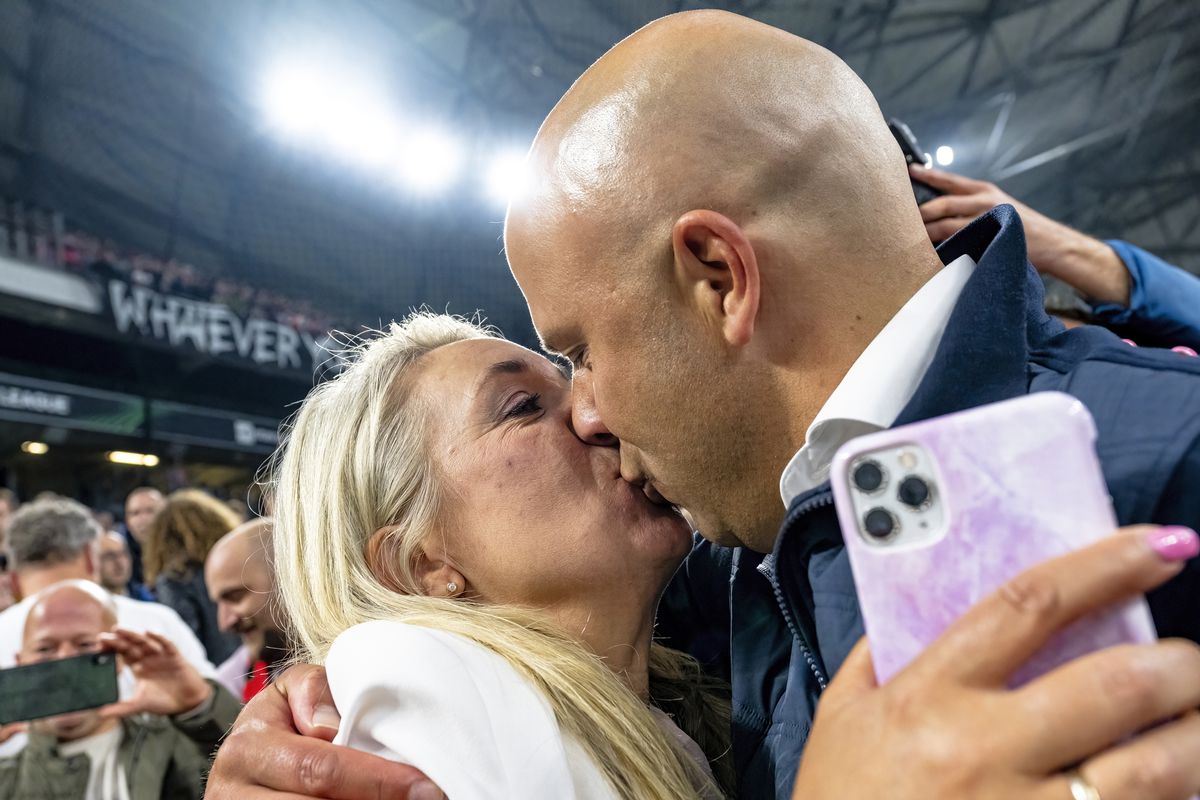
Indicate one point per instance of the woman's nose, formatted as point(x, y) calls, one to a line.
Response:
point(585, 419)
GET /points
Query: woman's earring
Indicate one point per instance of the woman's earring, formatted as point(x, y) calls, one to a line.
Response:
point(451, 587)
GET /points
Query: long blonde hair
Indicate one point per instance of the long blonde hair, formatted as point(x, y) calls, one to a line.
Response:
point(356, 461)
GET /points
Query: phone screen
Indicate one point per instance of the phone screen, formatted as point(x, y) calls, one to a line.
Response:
point(61, 686)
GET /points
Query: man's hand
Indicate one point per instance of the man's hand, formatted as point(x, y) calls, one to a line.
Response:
point(1087, 264)
point(948, 726)
point(166, 683)
point(12, 729)
point(279, 749)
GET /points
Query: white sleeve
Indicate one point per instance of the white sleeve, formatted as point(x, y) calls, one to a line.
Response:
point(456, 711)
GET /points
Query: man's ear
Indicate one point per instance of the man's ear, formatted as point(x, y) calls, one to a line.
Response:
point(433, 573)
point(717, 268)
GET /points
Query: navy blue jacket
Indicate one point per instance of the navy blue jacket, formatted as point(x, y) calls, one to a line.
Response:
point(781, 624)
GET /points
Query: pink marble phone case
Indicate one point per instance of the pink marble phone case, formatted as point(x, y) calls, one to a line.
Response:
point(1019, 483)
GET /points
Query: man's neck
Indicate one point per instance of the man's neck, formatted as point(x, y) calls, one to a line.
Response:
point(34, 580)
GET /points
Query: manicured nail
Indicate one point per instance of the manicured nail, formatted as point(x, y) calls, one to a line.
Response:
point(326, 716)
point(425, 790)
point(1175, 542)
point(1184, 349)
point(1130, 342)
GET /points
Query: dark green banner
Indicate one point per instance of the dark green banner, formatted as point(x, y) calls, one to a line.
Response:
point(42, 402)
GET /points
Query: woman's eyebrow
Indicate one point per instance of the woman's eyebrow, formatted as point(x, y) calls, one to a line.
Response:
point(513, 366)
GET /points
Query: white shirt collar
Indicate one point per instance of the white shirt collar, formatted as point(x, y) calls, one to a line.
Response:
point(882, 381)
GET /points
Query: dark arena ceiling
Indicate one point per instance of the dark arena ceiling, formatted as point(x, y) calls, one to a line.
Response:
point(143, 121)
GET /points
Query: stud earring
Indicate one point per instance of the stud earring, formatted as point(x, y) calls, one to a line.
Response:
point(451, 587)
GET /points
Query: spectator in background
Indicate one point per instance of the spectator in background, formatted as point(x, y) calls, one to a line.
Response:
point(55, 540)
point(1130, 291)
point(242, 584)
point(140, 507)
point(239, 508)
point(155, 744)
point(115, 567)
point(105, 520)
point(181, 534)
point(8, 505)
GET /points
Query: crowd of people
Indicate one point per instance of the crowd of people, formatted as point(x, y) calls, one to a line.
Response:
point(31, 233)
point(485, 577)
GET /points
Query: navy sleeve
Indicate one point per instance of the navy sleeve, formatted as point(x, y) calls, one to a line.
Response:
point(1176, 605)
point(693, 614)
point(1164, 301)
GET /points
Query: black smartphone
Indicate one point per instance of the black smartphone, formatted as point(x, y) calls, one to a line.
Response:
point(50, 688)
point(912, 155)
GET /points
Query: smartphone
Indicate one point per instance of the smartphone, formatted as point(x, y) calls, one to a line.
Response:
point(912, 155)
point(50, 688)
point(938, 514)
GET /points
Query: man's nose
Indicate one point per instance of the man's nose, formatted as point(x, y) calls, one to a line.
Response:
point(226, 617)
point(585, 419)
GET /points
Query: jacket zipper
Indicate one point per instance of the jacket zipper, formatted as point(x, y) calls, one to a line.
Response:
point(767, 569)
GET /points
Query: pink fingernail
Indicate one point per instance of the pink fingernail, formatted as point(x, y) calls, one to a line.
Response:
point(1187, 351)
point(1130, 342)
point(1174, 542)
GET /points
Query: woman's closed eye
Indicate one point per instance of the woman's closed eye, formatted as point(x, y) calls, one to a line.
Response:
point(529, 404)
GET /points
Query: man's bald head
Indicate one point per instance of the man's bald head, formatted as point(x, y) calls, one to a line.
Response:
point(241, 583)
point(715, 203)
point(80, 606)
point(712, 110)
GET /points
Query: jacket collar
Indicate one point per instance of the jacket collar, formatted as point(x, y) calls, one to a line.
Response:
point(984, 353)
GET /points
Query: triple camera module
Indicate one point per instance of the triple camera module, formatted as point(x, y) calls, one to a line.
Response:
point(870, 477)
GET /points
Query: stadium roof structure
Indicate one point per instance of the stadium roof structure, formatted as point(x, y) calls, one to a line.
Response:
point(141, 120)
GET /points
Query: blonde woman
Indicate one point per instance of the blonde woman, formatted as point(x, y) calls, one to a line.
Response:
point(180, 536)
point(481, 584)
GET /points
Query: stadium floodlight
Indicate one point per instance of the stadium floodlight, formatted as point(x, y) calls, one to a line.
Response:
point(944, 155)
point(133, 459)
point(35, 448)
point(431, 159)
point(508, 176)
point(339, 111)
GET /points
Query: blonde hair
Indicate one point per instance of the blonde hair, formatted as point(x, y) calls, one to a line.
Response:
point(356, 461)
point(184, 530)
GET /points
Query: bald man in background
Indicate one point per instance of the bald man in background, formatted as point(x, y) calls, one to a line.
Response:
point(156, 743)
point(241, 584)
point(720, 235)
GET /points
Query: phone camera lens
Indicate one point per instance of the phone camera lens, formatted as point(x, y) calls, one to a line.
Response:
point(913, 491)
point(868, 476)
point(879, 523)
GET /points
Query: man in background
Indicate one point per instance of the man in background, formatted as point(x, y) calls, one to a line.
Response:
point(115, 567)
point(55, 540)
point(241, 583)
point(141, 506)
point(156, 744)
point(8, 505)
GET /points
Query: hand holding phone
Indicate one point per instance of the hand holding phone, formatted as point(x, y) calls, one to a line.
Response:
point(938, 514)
point(166, 684)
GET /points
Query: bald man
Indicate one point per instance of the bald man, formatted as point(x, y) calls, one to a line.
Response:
point(117, 751)
point(720, 234)
point(240, 583)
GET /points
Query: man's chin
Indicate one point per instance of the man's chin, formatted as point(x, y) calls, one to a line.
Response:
point(68, 727)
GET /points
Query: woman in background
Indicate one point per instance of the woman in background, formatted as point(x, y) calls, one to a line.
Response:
point(180, 537)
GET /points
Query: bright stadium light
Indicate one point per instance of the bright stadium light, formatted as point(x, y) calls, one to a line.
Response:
point(508, 176)
point(944, 155)
point(338, 111)
point(431, 159)
point(293, 96)
point(35, 448)
point(133, 459)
